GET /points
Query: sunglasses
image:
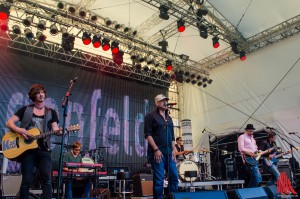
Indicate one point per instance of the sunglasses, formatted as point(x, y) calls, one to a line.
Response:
point(76, 149)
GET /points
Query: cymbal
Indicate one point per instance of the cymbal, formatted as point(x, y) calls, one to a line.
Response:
point(204, 150)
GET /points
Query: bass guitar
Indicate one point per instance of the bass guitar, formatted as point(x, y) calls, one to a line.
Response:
point(252, 161)
point(268, 161)
point(14, 145)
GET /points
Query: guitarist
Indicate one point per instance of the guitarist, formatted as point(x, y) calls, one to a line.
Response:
point(247, 146)
point(43, 118)
point(265, 145)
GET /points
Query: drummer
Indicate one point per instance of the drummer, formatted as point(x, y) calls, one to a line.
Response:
point(180, 152)
point(74, 156)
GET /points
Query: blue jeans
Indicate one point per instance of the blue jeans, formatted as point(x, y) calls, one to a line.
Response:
point(41, 160)
point(274, 173)
point(255, 177)
point(87, 189)
point(158, 176)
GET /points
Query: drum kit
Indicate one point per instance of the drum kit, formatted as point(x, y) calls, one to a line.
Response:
point(196, 161)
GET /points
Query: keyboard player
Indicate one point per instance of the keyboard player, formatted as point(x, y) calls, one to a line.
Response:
point(74, 156)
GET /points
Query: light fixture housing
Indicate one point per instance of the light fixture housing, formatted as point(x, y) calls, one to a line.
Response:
point(86, 38)
point(96, 41)
point(180, 25)
point(215, 41)
point(163, 12)
point(242, 55)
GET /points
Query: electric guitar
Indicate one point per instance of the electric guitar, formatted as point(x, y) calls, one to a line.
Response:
point(13, 144)
point(252, 161)
point(268, 161)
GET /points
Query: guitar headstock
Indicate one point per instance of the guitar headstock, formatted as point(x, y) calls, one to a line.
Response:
point(75, 127)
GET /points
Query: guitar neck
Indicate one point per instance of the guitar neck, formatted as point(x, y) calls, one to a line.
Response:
point(42, 135)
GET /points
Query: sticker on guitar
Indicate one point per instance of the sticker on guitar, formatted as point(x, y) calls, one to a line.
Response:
point(253, 160)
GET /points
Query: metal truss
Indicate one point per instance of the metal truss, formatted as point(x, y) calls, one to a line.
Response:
point(266, 38)
point(78, 58)
point(77, 25)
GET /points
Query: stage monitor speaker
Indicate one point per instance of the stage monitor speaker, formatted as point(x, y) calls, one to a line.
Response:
point(10, 184)
point(197, 195)
point(271, 191)
point(287, 170)
point(253, 193)
point(143, 185)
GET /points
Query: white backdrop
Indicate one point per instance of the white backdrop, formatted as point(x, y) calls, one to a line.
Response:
point(241, 89)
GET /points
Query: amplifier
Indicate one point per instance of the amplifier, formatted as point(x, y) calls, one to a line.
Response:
point(143, 185)
point(10, 184)
point(283, 163)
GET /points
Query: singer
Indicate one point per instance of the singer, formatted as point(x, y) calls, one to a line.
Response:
point(159, 132)
point(38, 116)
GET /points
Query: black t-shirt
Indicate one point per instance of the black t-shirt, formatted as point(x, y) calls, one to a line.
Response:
point(265, 145)
point(180, 148)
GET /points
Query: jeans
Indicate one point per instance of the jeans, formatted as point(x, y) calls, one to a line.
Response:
point(255, 177)
point(158, 176)
point(274, 173)
point(87, 189)
point(41, 160)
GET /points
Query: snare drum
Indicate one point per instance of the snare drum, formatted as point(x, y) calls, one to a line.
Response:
point(195, 157)
point(184, 166)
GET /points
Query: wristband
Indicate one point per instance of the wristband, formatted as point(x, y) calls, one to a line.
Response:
point(156, 149)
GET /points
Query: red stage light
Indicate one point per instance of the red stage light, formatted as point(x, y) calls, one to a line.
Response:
point(181, 28)
point(4, 27)
point(106, 47)
point(115, 50)
point(170, 67)
point(217, 45)
point(242, 55)
point(96, 44)
point(3, 16)
point(86, 41)
point(180, 25)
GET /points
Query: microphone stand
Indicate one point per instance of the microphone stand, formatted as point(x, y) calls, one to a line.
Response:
point(65, 106)
point(291, 148)
point(168, 155)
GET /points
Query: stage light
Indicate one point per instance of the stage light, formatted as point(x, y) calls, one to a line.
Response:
point(153, 71)
point(180, 25)
point(169, 65)
point(60, 5)
point(27, 21)
point(204, 85)
point(179, 76)
point(199, 83)
point(86, 38)
point(203, 31)
point(167, 75)
point(114, 47)
point(151, 61)
point(117, 26)
point(138, 67)
point(96, 41)
point(163, 12)
point(94, 18)
point(68, 43)
point(201, 12)
point(4, 26)
point(198, 77)
point(156, 63)
point(141, 59)
point(3, 15)
point(234, 47)
point(186, 73)
point(215, 41)
point(193, 81)
point(184, 57)
point(193, 76)
point(28, 33)
point(126, 30)
point(71, 9)
point(40, 36)
point(108, 22)
point(41, 25)
point(105, 44)
point(204, 79)
point(164, 45)
point(64, 32)
point(180, 72)
point(82, 13)
point(53, 30)
point(134, 33)
point(209, 81)
point(16, 29)
point(5, 10)
point(118, 57)
point(242, 55)
point(187, 80)
point(146, 68)
point(159, 72)
point(133, 56)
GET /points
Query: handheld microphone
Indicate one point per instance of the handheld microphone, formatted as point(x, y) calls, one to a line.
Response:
point(171, 104)
point(203, 130)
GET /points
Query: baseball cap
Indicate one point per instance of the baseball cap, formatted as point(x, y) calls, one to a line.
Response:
point(160, 97)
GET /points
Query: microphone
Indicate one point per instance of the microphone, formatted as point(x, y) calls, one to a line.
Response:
point(292, 133)
point(271, 128)
point(171, 104)
point(203, 130)
point(74, 80)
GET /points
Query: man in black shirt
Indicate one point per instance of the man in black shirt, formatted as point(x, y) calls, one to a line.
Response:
point(267, 158)
point(159, 132)
point(43, 118)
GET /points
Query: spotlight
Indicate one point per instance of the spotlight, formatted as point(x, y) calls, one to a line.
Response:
point(133, 55)
point(209, 81)
point(94, 18)
point(146, 68)
point(204, 85)
point(199, 83)
point(141, 59)
point(82, 13)
point(186, 73)
point(203, 31)
point(60, 5)
point(86, 38)
point(64, 32)
point(96, 41)
point(167, 75)
point(184, 57)
point(242, 55)
point(4, 10)
point(108, 22)
point(117, 26)
point(27, 21)
point(151, 61)
point(204, 79)
point(4, 26)
point(126, 30)
point(68, 43)
point(115, 47)
point(134, 33)
point(198, 77)
point(188, 80)
point(53, 29)
point(40, 36)
point(159, 72)
point(180, 25)
point(179, 76)
point(163, 9)
point(180, 72)
point(234, 47)
point(215, 41)
point(41, 25)
point(105, 44)
point(16, 29)
point(193, 81)
point(193, 76)
point(28, 33)
point(138, 67)
point(118, 57)
point(153, 71)
point(164, 45)
point(201, 12)
point(169, 65)
point(71, 9)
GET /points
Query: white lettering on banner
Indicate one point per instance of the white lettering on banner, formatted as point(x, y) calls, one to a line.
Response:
point(127, 147)
point(110, 130)
point(93, 123)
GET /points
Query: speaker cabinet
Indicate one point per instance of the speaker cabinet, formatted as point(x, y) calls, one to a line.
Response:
point(253, 193)
point(271, 191)
point(10, 184)
point(197, 195)
point(143, 185)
